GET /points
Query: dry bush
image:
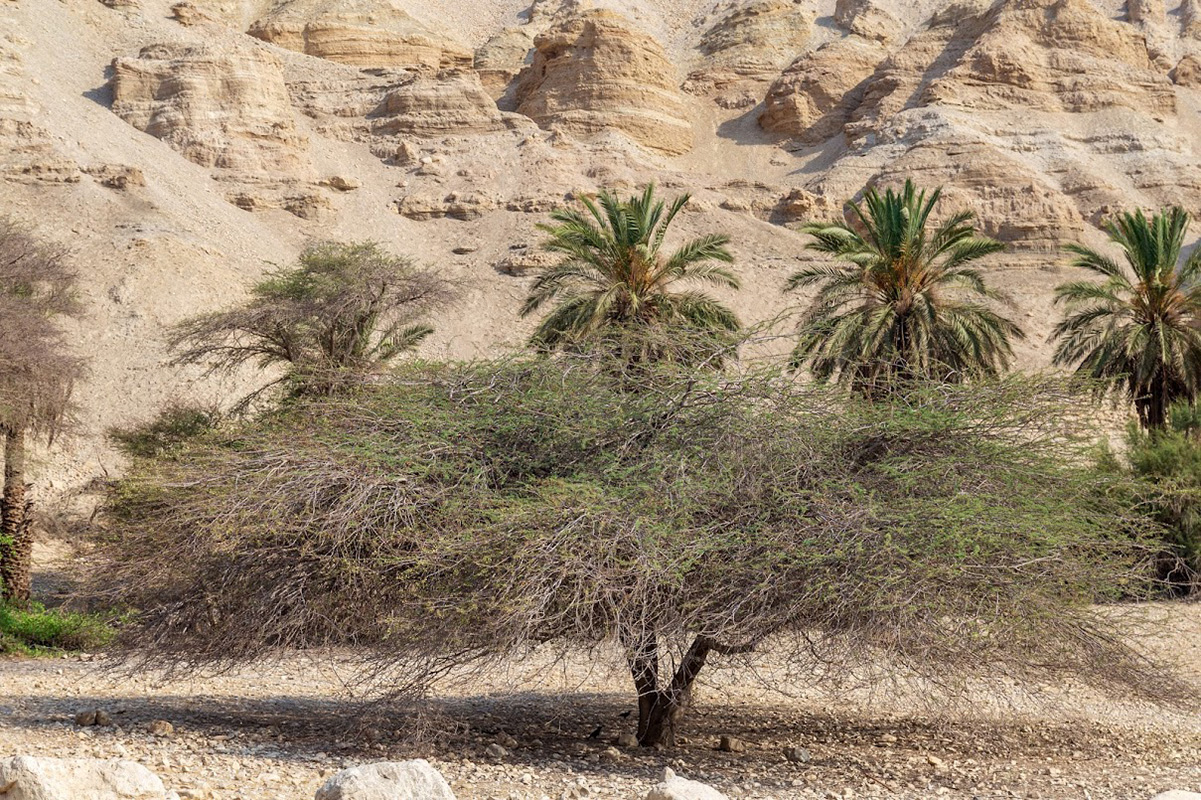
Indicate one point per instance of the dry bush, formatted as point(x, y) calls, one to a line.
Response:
point(468, 512)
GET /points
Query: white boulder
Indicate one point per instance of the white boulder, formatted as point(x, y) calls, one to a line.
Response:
point(1177, 795)
point(30, 778)
point(674, 787)
point(388, 780)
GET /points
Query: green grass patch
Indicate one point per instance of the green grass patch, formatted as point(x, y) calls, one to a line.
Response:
point(42, 631)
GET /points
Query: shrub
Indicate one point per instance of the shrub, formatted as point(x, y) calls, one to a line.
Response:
point(469, 511)
point(38, 630)
point(168, 432)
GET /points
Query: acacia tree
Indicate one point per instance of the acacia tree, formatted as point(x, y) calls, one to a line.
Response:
point(1137, 331)
point(907, 305)
point(615, 274)
point(37, 375)
point(465, 512)
point(343, 312)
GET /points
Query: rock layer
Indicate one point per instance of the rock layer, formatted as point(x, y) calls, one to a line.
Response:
point(222, 107)
point(594, 72)
point(365, 33)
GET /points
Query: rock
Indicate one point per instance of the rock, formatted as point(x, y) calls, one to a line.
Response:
point(1190, 19)
point(815, 97)
point(402, 780)
point(1187, 72)
point(797, 755)
point(342, 183)
point(494, 750)
point(218, 106)
point(449, 103)
point(30, 778)
point(117, 176)
point(1146, 12)
point(362, 33)
point(1177, 795)
point(502, 58)
point(751, 42)
point(626, 740)
point(161, 727)
point(453, 206)
point(595, 71)
point(867, 18)
point(527, 261)
point(731, 744)
point(674, 787)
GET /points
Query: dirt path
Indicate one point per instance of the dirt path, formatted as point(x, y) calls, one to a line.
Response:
point(276, 732)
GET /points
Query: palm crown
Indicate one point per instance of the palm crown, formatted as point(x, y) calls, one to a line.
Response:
point(897, 311)
point(1137, 330)
point(615, 274)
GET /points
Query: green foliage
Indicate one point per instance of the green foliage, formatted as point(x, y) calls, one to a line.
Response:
point(343, 312)
point(1137, 331)
point(907, 305)
point(615, 274)
point(41, 631)
point(472, 510)
point(1169, 461)
point(167, 433)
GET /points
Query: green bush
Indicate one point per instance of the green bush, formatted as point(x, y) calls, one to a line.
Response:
point(39, 631)
point(1169, 462)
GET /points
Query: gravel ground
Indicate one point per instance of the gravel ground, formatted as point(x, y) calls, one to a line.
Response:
point(277, 731)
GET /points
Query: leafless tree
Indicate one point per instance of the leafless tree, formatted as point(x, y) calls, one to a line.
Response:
point(37, 375)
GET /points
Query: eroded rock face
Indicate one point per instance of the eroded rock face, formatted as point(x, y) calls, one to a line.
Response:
point(1054, 55)
point(594, 72)
point(223, 107)
point(870, 19)
point(502, 59)
point(452, 103)
point(752, 41)
point(814, 99)
point(364, 33)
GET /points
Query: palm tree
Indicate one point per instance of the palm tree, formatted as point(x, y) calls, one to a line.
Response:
point(907, 305)
point(37, 376)
point(1139, 329)
point(614, 278)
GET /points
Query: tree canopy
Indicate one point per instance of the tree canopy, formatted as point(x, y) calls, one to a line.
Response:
point(907, 305)
point(461, 511)
point(615, 273)
point(343, 311)
point(1138, 330)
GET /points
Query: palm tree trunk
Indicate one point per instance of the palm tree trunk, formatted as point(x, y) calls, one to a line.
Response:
point(16, 536)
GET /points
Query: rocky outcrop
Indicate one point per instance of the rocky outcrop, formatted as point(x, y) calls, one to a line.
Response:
point(502, 59)
point(1187, 72)
point(1146, 12)
point(223, 107)
point(1053, 55)
point(29, 778)
point(364, 33)
point(398, 780)
point(814, 99)
point(752, 42)
point(867, 18)
point(594, 72)
point(446, 104)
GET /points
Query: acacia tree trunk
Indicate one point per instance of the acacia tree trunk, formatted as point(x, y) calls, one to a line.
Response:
point(16, 537)
point(662, 706)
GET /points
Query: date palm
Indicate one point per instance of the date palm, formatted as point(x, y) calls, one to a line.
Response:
point(907, 304)
point(1137, 331)
point(615, 277)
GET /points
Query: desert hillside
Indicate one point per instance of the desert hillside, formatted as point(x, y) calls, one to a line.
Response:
point(179, 148)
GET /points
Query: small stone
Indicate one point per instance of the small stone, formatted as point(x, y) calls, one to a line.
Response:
point(342, 183)
point(731, 744)
point(797, 755)
point(934, 761)
point(494, 750)
point(161, 727)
